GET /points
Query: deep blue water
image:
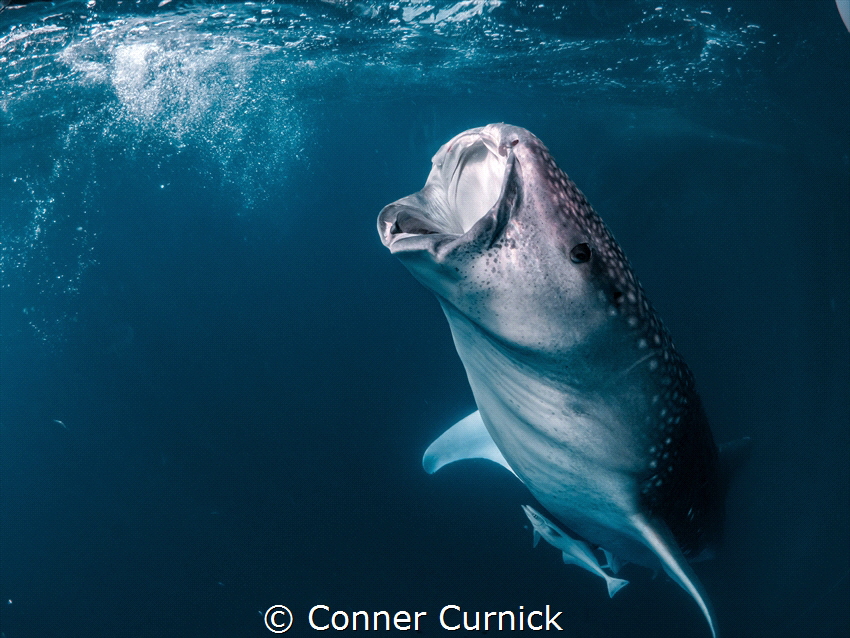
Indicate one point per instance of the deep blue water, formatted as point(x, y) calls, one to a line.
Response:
point(216, 384)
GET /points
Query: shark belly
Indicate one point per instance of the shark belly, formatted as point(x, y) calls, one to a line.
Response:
point(570, 447)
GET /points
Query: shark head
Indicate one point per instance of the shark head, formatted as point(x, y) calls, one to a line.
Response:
point(503, 236)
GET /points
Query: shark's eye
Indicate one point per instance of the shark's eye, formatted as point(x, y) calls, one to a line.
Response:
point(580, 253)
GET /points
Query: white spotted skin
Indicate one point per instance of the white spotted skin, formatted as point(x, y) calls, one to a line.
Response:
point(575, 377)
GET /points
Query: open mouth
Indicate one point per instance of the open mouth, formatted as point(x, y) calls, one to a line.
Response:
point(465, 184)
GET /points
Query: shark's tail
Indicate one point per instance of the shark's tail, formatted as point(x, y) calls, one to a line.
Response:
point(615, 585)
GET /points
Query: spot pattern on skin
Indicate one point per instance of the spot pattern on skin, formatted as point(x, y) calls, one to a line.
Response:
point(679, 479)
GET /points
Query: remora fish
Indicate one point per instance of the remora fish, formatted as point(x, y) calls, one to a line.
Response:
point(579, 388)
point(572, 550)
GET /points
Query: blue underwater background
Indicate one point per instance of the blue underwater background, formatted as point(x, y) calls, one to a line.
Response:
point(216, 384)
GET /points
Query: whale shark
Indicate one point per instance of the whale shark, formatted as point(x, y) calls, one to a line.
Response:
point(580, 391)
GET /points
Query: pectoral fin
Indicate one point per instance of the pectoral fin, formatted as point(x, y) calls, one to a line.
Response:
point(658, 538)
point(614, 563)
point(466, 439)
point(733, 456)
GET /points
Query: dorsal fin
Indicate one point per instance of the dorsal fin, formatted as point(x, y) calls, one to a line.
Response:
point(733, 455)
